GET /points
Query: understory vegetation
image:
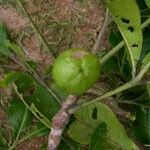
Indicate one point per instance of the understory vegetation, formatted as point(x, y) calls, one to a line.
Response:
point(114, 113)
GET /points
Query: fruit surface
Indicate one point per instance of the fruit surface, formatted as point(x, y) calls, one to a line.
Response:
point(75, 71)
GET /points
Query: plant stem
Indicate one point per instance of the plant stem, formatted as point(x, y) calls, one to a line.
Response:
point(52, 54)
point(126, 86)
point(146, 23)
point(112, 52)
point(104, 96)
point(98, 40)
point(120, 45)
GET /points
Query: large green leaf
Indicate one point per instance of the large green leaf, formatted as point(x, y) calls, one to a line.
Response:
point(19, 116)
point(89, 117)
point(77, 132)
point(127, 16)
point(43, 101)
point(23, 82)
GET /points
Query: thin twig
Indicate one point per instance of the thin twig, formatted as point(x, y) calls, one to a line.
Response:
point(103, 29)
point(50, 51)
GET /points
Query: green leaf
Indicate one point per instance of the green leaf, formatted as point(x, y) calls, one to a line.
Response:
point(19, 116)
point(22, 80)
point(89, 117)
point(77, 133)
point(68, 144)
point(148, 3)
point(98, 138)
point(3, 37)
point(142, 124)
point(127, 16)
point(8, 79)
point(43, 101)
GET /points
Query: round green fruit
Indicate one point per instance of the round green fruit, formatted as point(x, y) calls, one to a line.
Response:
point(75, 71)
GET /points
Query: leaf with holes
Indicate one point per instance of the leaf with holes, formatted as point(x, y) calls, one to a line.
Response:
point(89, 117)
point(19, 116)
point(127, 16)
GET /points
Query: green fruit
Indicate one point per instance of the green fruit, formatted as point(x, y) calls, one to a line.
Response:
point(75, 71)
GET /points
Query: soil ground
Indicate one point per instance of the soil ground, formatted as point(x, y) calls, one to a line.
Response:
point(63, 24)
